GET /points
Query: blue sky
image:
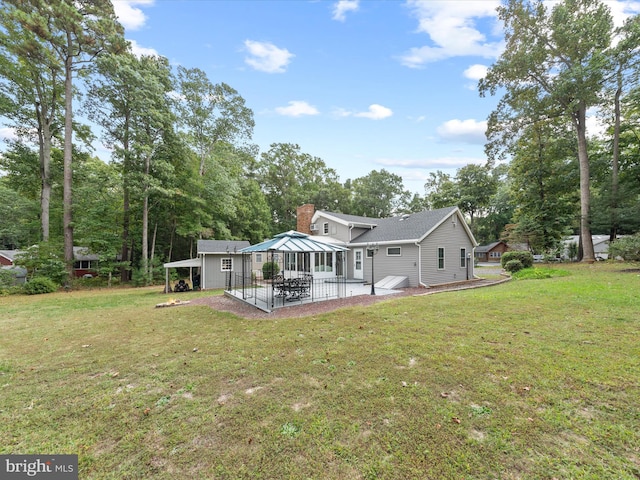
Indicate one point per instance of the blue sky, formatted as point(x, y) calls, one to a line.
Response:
point(362, 84)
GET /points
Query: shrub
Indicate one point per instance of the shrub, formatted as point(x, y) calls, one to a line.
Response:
point(627, 248)
point(269, 270)
point(513, 266)
point(525, 258)
point(38, 285)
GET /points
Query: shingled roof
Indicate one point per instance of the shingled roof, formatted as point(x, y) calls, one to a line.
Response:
point(406, 228)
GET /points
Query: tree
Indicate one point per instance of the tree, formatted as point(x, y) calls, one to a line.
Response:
point(210, 113)
point(440, 190)
point(560, 57)
point(378, 194)
point(71, 34)
point(290, 178)
point(476, 186)
point(32, 96)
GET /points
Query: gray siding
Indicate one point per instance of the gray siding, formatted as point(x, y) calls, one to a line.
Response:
point(452, 239)
point(405, 265)
point(212, 276)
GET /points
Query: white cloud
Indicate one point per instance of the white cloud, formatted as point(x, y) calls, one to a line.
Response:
point(452, 29)
point(341, 8)
point(476, 72)
point(468, 131)
point(297, 108)
point(129, 16)
point(8, 133)
point(139, 50)
point(266, 57)
point(375, 112)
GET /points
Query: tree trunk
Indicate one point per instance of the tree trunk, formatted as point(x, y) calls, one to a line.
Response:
point(579, 118)
point(145, 221)
point(615, 161)
point(153, 252)
point(67, 217)
point(126, 210)
point(45, 177)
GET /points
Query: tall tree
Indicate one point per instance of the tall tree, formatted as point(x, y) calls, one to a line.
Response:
point(31, 96)
point(290, 178)
point(378, 194)
point(71, 33)
point(131, 102)
point(562, 54)
point(210, 113)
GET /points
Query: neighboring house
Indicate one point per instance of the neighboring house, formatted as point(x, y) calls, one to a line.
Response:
point(418, 249)
point(85, 264)
point(216, 260)
point(7, 257)
point(600, 246)
point(491, 253)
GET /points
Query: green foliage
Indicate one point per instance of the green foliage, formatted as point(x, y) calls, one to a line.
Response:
point(44, 260)
point(538, 273)
point(7, 278)
point(513, 266)
point(269, 270)
point(627, 248)
point(525, 258)
point(38, 285)
point(378, 194)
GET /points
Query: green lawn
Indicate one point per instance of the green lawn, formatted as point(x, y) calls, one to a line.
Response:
point(529, 379)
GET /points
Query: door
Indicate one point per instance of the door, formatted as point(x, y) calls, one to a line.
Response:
point(339, 264)
point(357, 264)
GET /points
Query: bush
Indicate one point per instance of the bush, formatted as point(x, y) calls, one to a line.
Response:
point(38, 285)
point(513, 266)
point(270, 270)
point(627, 248)
point(525, 258)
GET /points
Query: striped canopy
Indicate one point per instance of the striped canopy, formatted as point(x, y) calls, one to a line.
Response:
point(293, 241)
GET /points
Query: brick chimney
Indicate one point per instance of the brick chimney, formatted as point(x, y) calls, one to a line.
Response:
point(304, 214)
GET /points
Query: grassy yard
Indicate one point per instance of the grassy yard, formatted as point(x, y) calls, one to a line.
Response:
point(525, 380)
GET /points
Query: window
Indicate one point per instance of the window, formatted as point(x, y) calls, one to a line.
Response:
point(393, 251)
point(440, 258)
point(463, 258)
point(258, 258)
point(83, 265)
point(323, 262)
point(325, 228)
point(226, 265)
point(495, 254)
point(289, 261)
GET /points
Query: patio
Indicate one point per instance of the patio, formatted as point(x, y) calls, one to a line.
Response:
point(308, 271)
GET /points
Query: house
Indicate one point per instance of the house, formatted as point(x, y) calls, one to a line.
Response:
point(419, 249)
point(491, 253)
point(7, 258)
point(85, 264)
point(216, 261)
point(600, 246)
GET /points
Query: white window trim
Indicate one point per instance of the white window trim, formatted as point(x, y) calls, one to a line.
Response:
point(463, 258)
point(222, 264)
point(399, 254)
point(325, 228)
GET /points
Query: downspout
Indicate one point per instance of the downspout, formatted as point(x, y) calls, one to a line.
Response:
point(203, 278)
point(420, 266)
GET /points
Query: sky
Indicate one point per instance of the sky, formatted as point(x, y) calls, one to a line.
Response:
point(362, 84)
